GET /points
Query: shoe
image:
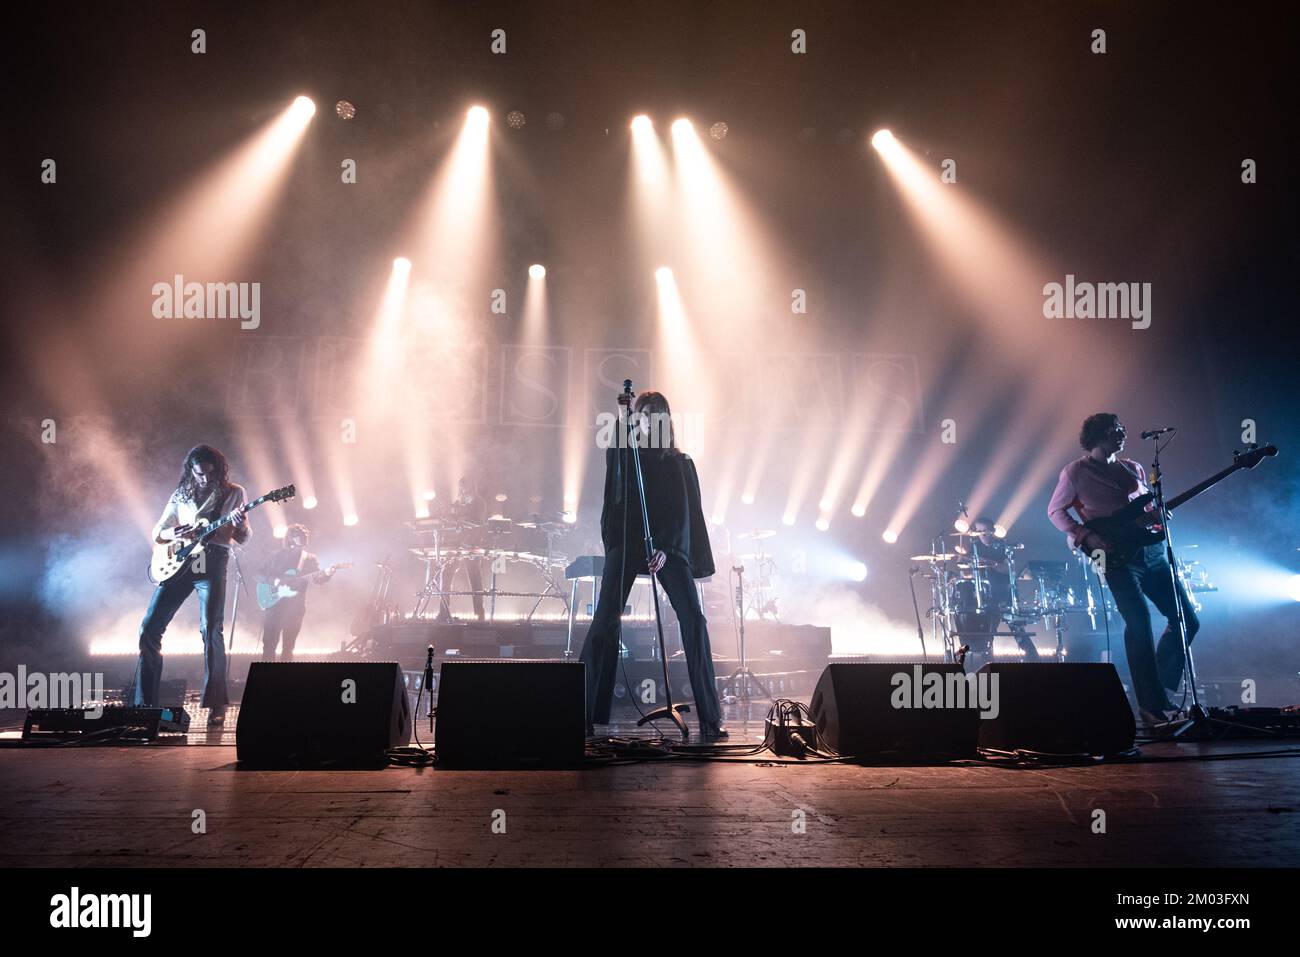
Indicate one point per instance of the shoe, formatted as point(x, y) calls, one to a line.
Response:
point(714, 732)
point(216, 717)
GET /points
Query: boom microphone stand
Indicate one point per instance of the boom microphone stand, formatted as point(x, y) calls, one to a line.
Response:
point(669, 710)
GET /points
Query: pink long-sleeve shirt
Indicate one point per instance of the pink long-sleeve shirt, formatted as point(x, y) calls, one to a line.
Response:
point(1093, 489)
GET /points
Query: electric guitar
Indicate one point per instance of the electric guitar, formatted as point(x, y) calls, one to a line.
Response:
point(170, 557)
point(1131, 527)
point(269, 593)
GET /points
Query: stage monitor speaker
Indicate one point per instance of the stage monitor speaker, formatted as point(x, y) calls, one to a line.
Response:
point(510, 714)
point(1059, 708)
point(311, 712)
point(860, 709)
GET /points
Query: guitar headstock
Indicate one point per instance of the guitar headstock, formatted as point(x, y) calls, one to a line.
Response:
point(1253, 456)
point(281, 494)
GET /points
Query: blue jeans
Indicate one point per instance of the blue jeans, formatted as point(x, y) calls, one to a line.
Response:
point(167, 600)
point(1155, 671)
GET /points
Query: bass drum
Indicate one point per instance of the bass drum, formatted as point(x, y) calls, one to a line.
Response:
point(974, 627)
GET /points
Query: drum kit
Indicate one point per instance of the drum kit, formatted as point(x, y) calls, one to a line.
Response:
point(978, 587)
point(443, 542)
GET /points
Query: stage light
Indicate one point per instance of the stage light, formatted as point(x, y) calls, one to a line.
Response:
point(309, 502)
point(859, 510)
point(303, 108)
point(999, 531)
point(858, 572)
point(280, 531)
point(682, 126)
point(882, 140)
point(787, 519)
point(719, 130)
point(641, 124)
point(664, 274)
point(429, 495)
point(350, 519)
point(515, 120)
point(961, 524)
point(747, 499)
point(477, 118)
point(401, 265)
point(555, 121)
point(823, 525)
point(422, 511)
point(890, 536)
point(536, 271)
point(570, 518)
point(1293, 588)
point(344, 110)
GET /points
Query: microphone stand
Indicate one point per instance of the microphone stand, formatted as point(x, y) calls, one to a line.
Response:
point(234, 604)
point(920, 632)
point(669, 710)
point(1198, 719)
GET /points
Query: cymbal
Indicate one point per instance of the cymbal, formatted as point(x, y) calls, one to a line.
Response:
point(941, 557)
point(759, 534)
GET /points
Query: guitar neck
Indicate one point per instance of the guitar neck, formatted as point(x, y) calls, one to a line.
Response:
point(1200, 487)
point(227, 519)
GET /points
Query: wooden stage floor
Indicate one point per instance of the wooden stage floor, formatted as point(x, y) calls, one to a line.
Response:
point(135, 806)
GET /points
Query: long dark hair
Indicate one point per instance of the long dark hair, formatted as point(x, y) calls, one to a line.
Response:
point(655, 404)
point(208, 456)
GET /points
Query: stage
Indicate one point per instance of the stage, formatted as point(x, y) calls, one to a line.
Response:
point(1180, 805)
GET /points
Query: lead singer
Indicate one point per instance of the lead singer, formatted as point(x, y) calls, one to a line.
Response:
point(682, 554)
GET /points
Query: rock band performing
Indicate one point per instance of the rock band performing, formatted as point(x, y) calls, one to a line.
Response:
point(595, 438)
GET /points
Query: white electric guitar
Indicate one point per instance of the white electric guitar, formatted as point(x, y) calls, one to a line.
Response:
point(170, 557)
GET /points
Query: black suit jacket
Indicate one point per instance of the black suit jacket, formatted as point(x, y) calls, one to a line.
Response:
point(672, 488)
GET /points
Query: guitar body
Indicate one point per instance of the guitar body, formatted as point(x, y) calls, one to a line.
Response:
point(1124, 529)
point(170, 558)
point(268, 595)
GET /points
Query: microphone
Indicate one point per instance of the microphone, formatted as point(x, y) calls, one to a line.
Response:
point(1152, 433)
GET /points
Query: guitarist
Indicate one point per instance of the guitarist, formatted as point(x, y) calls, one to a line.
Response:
point(284, 619)
point(1098, 484)
point(204, 491)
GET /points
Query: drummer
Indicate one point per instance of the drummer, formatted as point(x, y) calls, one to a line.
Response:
point(994, 556)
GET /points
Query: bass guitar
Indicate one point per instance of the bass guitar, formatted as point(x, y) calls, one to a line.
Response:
point(170, 557)
point(1132, 526)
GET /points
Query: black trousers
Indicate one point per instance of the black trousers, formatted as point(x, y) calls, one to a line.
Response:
point(167, 600)
point(282, 623)
point(600, 652)
point(1155, 670)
